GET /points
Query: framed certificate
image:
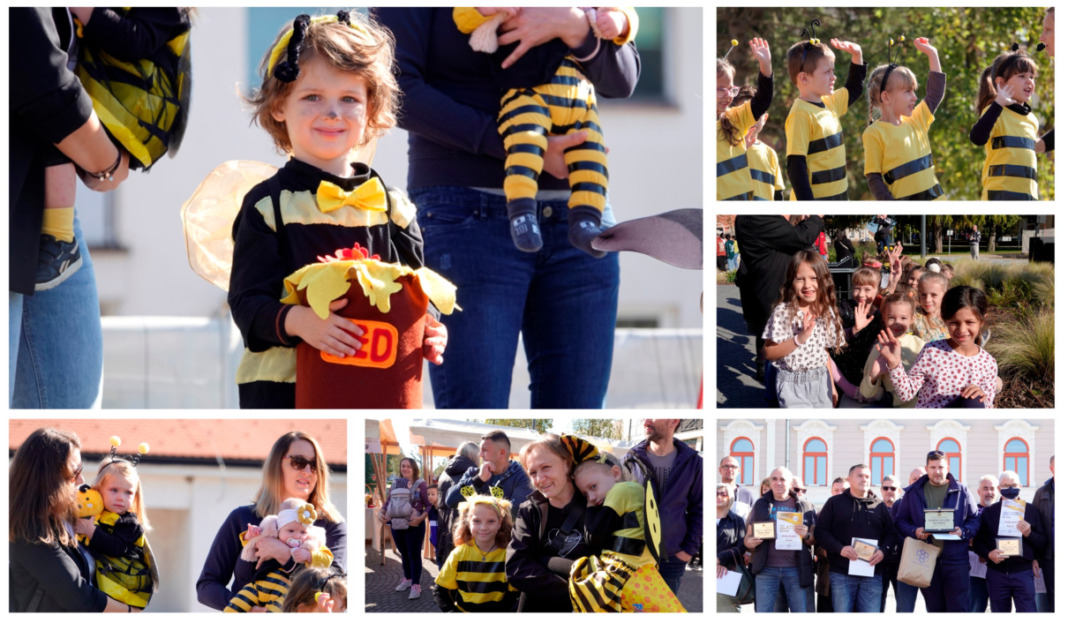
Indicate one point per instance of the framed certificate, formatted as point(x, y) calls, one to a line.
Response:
point(938, 520)
point(764, 529)
point(1012, 546)
point(864, 550)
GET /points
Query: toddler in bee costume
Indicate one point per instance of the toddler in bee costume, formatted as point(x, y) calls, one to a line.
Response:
point(623, 516)
point(535, 107)
point(125, 570)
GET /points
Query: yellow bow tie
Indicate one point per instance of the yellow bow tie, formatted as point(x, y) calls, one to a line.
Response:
point(370, 195)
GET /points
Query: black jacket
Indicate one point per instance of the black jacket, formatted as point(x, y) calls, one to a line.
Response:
point(50, 578)
point(451, 475)
point(986, 539)
point(844, 518)
point(730, 540)
point(1044, 504)
point(762, 512)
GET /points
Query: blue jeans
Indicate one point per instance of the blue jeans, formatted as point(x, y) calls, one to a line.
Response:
point(852, 593)
point(671, 569)
point(769, 580)
point(560, 299)
point(410, 545)
point(979, 595)
point(905, 596)
point(58, 362)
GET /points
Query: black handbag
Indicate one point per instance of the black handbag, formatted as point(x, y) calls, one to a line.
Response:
point(747, 585)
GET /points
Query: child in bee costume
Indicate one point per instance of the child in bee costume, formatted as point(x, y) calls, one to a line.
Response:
point(125, 569)
point(624, 523)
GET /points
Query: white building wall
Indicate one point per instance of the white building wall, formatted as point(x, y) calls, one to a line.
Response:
point(655, 166)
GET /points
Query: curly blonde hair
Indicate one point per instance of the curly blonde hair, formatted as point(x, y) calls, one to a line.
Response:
point(365, 49)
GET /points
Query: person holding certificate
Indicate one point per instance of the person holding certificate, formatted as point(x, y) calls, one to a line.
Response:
point(1010, 532)
point(940, 510)
point(858, 532)
point(730, 549)
point(781, 536)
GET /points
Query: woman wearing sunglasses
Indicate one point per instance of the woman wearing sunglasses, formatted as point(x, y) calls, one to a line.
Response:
point(295, 468)
point(49, 573)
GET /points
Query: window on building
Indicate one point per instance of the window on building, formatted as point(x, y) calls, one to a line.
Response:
point(814, 462)
point(742, 449)
point(882, 459)
point(951, 447)
point(1017, 459)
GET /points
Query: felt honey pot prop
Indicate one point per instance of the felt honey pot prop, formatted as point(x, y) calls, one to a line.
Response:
point(388, 302)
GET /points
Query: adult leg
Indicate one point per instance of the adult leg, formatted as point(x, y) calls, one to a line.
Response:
point(905, 596)
point(569, 319)
point(61, 348)
point(1047, 575)
point(467, 241)
point(1023, 591)
point(934, 595)
point(955, 587)
point(1000, 591)
point(400, 539)
point(671, 569)
point(843, 591)
point(980, 595)
point(766, 589)
point(869, 591)
point(414, 539)
point(798, 598)
point(14, 330)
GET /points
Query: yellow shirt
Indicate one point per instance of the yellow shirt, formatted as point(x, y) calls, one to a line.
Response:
point(1010, 170)
point(764, 169)
point(902, 155)
point(629, 498)
point(481, 583)
point(815, 132)
point(732, 168)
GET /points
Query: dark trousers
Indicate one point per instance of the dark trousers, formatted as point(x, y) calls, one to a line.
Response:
point(948, 591)
point(889, 578)
point(671, 569)
point(410, 545)
point(1007, 588)
point(1047, 575)
point(980, 595)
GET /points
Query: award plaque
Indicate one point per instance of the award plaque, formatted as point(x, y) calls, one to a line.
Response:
point(764, 529)
point(865, 551)
point(937, 520)
point(1012, 546)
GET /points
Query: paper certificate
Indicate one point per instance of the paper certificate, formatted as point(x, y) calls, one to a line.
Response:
point(1012, 546)
point(787, 538)
point(728, 584)
point(938, 520)
point(1012, 513)
point(862, 566)
point(764, 529)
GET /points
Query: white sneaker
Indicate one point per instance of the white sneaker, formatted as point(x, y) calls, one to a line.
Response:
point(416, 589)
point(403, 586)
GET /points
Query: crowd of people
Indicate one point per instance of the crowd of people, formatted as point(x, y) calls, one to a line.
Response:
point(564, 528)
point(905, 338)
point(991, 550)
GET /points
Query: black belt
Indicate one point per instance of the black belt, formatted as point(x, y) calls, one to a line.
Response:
point(933, 192)
point(1019, 142)
point(1012, 170)
point(1008, 195)
point(761, 176)
point(823, 144)
point(731, 165)
point(907, 169)
point(828, 176)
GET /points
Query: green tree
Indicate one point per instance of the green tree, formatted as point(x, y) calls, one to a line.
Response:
point(994, 225)
point(596, 428)
point(967, 38)
point(540, 425)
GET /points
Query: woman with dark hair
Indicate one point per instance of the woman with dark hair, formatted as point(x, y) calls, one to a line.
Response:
point(295, 468)
point(843, 248)
point(548, 533)
point(409, 539)
point(47, 570)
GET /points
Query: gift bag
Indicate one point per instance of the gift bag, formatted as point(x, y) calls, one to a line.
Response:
point(917, 562)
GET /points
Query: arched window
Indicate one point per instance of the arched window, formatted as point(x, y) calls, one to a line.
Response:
point(1017, 459)
point(742, 449)
point(882, 459)
point(814, 471)
point(951, 447)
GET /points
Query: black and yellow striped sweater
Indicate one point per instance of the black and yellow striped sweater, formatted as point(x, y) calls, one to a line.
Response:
point(474, 582)
point(268, 591)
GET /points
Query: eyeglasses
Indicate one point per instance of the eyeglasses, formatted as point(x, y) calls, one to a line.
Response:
point(732, 91)
point(799, 490)
point(728, 467)
point(77, 472)
point(299, 463)
point(885, 488)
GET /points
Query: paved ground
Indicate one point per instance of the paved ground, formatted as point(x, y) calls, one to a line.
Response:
point(735, 354)
point(380, 582)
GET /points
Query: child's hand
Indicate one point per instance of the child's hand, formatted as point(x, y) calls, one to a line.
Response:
point(507, 11)
point(762, 52)
point(86, 526)
point(1006, 95)
point(324, 602)
point(890, 349)
point(973, 391)
point(252, 532)
point(853, 49)
point(435, 337)
point(924, 45)
point(334, 336)
point(877, 370)
point(860, 318)
point(301, 555)
point(610, 23)
point(807, 324)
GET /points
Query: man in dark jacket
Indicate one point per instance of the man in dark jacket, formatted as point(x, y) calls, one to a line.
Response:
point(498, 475)
point(1009, 578)
point(1043, 502)
point(677, 470)
point(979, 596)
point(730, 546)
point(789, 569)
point(453, 472)
point(856, 513)
point(948, 591)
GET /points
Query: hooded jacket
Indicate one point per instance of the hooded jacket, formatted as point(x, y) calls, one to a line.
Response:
point(1044, 504)
point(682, 503)
point(844, 518)
point(730, 537)
point(454, 470)
point(965, 516)
point(762, 512)
point(513, 485)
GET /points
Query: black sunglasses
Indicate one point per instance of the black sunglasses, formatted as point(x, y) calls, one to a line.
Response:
point(77, 472)
point(886, 488)
point(298, 463)
point(799, 490)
